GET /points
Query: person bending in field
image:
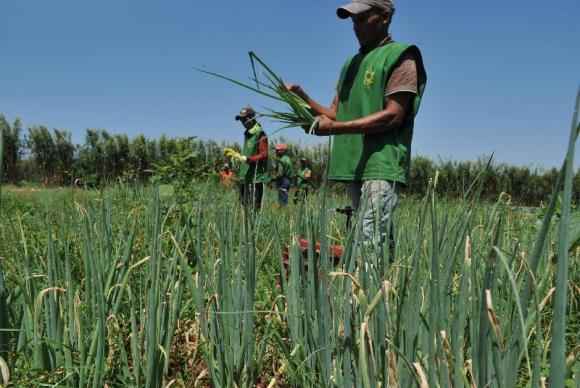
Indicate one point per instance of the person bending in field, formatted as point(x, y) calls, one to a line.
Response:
point(372, 116)
point(226, 176)
point(254, 160)
point(303, 181)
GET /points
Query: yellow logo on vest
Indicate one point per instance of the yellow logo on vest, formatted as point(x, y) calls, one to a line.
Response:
point(369, 78)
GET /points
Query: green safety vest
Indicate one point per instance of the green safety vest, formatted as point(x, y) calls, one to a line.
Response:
point(284, 167)
point(253, 172)
point(361, 92)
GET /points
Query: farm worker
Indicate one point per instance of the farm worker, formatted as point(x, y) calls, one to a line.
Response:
point(283, 173)
point(254, 159)
point(372, 115)
point(303, 181)
point(226, 175)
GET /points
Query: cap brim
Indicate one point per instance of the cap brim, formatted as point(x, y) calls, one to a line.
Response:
point(348, 10)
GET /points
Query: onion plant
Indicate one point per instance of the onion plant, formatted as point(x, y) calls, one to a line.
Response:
point(269, 84)
point(1, 165)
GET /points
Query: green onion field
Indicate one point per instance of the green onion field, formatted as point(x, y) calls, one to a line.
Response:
point(130, 287)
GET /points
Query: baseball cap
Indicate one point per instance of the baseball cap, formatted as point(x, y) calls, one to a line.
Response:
point(359, 6)
point(247, 112)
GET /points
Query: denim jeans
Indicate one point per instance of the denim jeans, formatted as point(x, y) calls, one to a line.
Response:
point(377, 200)
point(283, 189)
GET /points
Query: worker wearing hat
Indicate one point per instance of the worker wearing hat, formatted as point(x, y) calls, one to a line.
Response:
point(372, 117)
point(253, 172)
point(284, 173)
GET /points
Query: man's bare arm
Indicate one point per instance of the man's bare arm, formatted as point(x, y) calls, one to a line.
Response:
point(319, 110)
point(390, 118)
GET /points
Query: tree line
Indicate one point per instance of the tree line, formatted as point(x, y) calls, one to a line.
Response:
point(50, 157)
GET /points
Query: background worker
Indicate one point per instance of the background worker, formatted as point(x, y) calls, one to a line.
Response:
point(372, 116)
point(303, 181)
point(226, 176)
point(253, 171)
point(284, 173)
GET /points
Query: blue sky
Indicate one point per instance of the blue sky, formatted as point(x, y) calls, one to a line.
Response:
point(502, 74)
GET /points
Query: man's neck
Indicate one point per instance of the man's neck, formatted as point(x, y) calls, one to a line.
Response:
point(381, 41)
point(253, 130)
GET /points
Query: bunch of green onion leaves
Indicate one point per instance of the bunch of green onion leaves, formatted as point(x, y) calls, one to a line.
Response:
point(272, 86)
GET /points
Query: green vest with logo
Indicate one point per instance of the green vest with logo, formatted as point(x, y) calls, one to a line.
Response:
point(361, 92)
point(253, 172)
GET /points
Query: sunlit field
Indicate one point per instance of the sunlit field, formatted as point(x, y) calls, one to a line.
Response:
point(130, 287)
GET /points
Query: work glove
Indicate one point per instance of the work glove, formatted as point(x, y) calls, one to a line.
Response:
point(234, 155)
